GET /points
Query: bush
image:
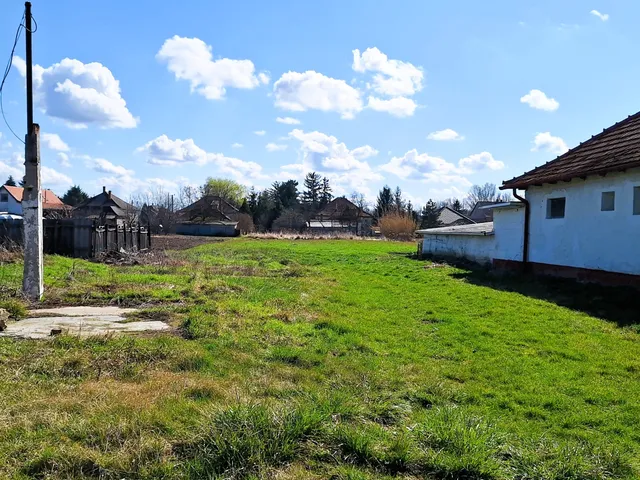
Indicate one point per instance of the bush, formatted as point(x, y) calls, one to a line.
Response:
point(15, 308)
point(397, 227)
point(245, 224)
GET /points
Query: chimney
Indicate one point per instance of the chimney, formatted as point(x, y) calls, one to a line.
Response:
point(109, 194)
point(104, 189)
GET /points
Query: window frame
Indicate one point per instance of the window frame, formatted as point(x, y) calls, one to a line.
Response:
point(613, 201)
point(635, 205)
point(550, 201)
point(4, 197)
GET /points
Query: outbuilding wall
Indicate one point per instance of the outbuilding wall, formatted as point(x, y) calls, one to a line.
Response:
point(505, 243)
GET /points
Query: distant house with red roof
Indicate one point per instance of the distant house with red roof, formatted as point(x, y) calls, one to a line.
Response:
point(11, 202)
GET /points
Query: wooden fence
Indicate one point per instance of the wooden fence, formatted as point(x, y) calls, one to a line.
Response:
point(79, 237)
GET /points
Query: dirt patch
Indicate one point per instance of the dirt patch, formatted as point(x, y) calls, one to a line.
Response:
point(180, 242)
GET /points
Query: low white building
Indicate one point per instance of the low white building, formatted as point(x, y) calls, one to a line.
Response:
point(11, 202)
point(481, 242)
point(579, 216)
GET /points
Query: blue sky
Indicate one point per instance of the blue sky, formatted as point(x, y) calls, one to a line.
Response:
point(145, 95)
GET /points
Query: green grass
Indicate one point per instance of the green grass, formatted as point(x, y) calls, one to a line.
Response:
point(324, 359)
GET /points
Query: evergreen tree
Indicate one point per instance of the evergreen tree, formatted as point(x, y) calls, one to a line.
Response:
point(244, 208)
point(398, 202)
point(325, 195)
point(457, 205)
point(312, 192)
point(10, 181)
point(284, 194)
point(23, 181)
point(252, 201)
point(430, 215)
point(74, 196)
point(411, 213)
point(384, 203)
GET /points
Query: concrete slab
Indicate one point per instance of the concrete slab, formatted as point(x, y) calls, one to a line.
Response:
point(82, 311)
point(79, 321)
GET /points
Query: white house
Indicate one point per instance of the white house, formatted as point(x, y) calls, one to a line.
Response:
point(579, 217)
point(11, 201)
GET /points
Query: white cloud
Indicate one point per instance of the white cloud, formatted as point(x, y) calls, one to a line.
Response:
point(311, 90)
point(416, 166)
point(17, 159)
point(164, 151)
point(288, 120)
point(237, 145)
point(422, 166)
point(79, 94)
point(345, 168)
point(479, 161)
point(547, 142)
point(274, 147)
point(539, 100)
point(63, 159)
point(54, 142)
point(393, 77)
point(7, 169)
point(260, 133)
point(191, 59)
point(105, 166)
point(445, 135)
point(602, 16)
point(398, 106)
point(53, 178)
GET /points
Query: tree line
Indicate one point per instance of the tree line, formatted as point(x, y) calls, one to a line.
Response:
point(288, 205)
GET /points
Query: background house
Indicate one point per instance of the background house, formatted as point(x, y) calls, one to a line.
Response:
point(448, 217)
point(341, 215)
point(580, 216)
point(480, 213)
point(107, 208)
point(11, 202)
point(211, 215)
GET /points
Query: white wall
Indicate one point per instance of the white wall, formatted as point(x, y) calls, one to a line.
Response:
point(508, 224)
point(471, 247)
point(506, 242)
point(12, 206)
point(587, 237)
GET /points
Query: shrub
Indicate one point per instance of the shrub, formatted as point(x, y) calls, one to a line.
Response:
point(15, 308)
point(397, 227)
point(245, 224)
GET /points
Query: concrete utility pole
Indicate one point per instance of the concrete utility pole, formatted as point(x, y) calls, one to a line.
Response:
point(32, 283)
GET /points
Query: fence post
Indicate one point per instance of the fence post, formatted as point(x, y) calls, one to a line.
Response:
point(149, 235)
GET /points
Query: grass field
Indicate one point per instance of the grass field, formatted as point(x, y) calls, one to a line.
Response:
point(324, 359)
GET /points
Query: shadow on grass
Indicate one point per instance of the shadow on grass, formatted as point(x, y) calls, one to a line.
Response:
point(620, 305)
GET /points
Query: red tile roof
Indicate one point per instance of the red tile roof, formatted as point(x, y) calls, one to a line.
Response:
point(615, 149)
point(49, 199)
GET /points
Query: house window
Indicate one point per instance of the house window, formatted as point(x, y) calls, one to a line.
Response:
point(608, 202)
point(555, 207)
point(636, 200)
point(4, 197)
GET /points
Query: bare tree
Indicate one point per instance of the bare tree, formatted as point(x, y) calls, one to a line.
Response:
point(360, 201)
point(481, 193)
point(187, 194)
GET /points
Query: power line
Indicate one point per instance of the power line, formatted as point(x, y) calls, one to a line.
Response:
point(6, 74)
